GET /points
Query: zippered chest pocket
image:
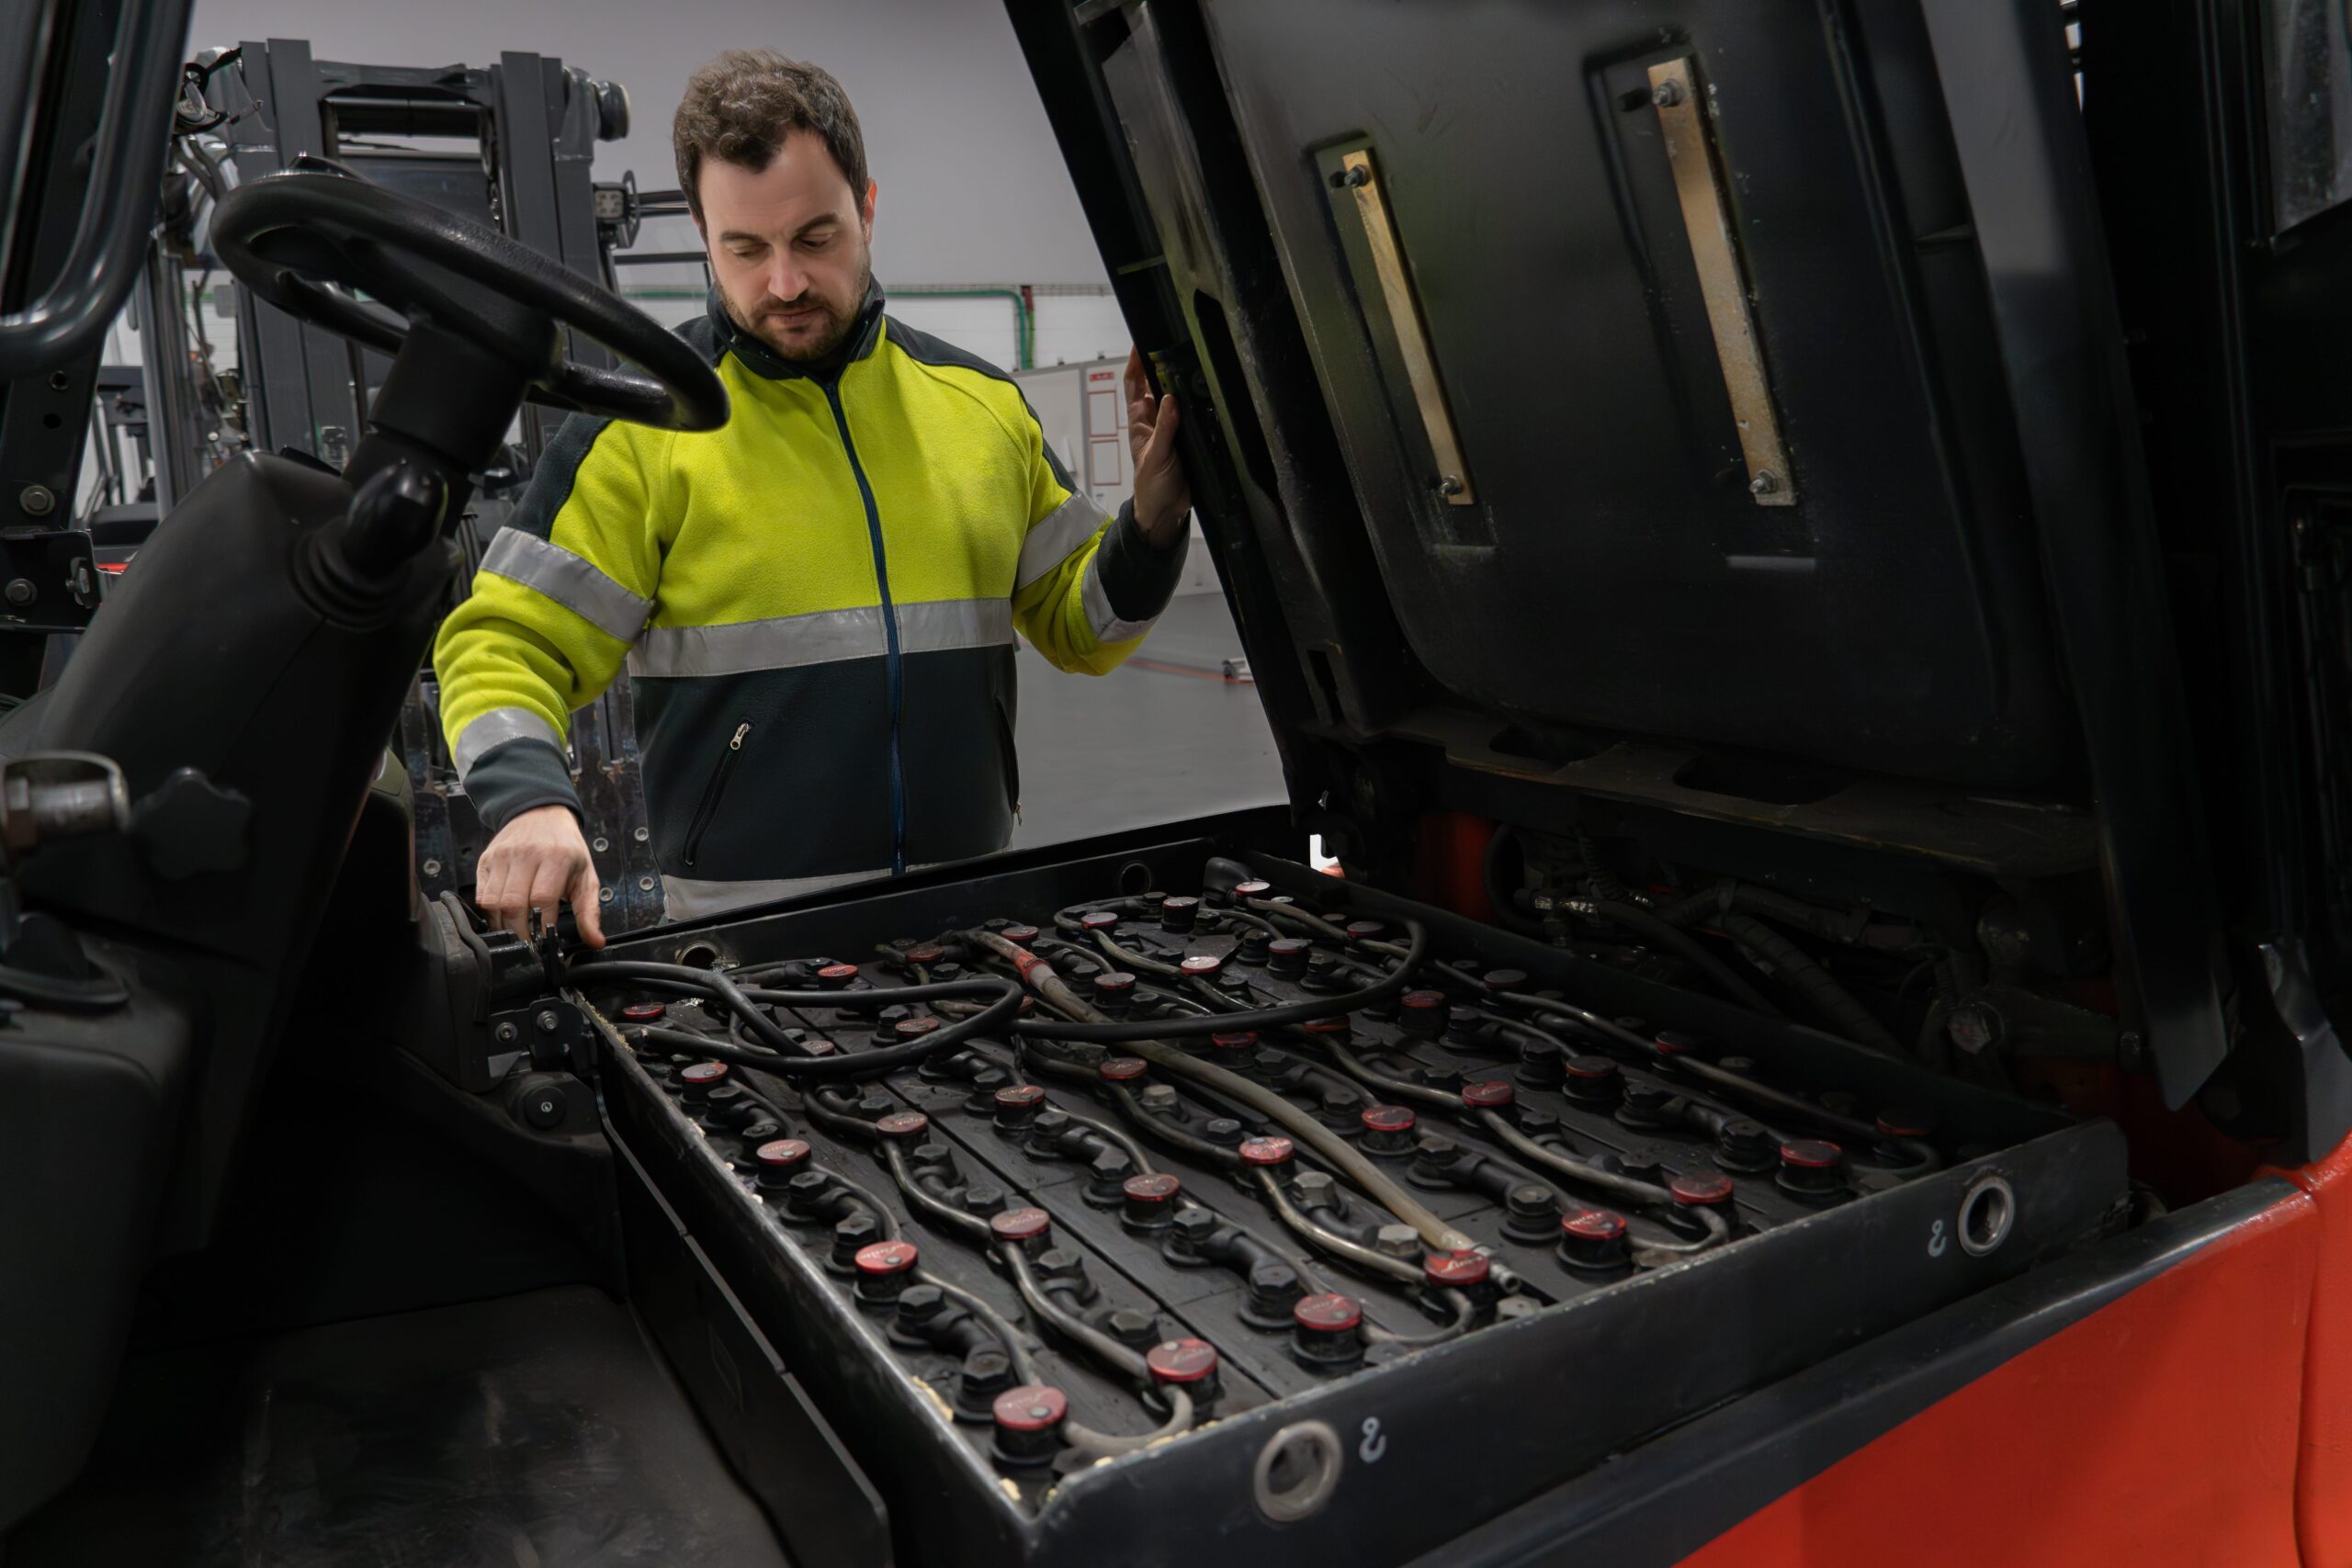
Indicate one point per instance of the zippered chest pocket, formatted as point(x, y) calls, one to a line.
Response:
point(713, 788)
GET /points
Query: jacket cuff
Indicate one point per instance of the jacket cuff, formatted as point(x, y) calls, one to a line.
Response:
point(1139, 578)
point(509, 780)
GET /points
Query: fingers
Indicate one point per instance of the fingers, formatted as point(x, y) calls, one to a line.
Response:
point(1162, 494)
point(493, 882)
point(1139, 385)
point(551, 874)
point(1143, 406)
point(586, 909)
point(1158, 449)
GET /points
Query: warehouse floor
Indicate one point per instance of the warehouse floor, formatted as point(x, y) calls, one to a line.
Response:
point(1163, 737)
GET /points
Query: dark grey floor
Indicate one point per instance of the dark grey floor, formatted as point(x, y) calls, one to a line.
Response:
point(537, 1429)
point(1164, 736)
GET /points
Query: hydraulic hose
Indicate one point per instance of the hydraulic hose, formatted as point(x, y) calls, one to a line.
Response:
point(1682, 945)
point(1490, 878)
point(1852, 928)
point(1829, 1000)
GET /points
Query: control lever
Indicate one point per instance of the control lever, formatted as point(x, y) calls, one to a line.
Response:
point(48, 795)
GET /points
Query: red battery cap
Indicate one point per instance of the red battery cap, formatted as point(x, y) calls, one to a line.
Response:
point(1181, 1361)
point(1701, 1187)
point(1200, 965)
point(643, 1012)
point(781, 1154)
point(1325, 1025)
point(886, 1258)
point(1806, 1154)
point(1120, 1069)
point(1266, 1151)
point(1021, 1224)
point(1386, 1119)
point(1156, 1188)
point(1013, 1097)
point(928, 953)
point(1240, 1041)
point(1021, 936)
point(702, 1072)
point(1896, 1124)
point(903, 1124)
point(1489, 1094)
point(1331, 1312)
point(1454, 1269)
point(914, 1027)
point(1032, 1407)
point(1593, 1225)
point(1097, 920)
point(1253, 890)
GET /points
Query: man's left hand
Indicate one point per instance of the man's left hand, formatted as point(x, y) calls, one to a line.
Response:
point(1163, 498)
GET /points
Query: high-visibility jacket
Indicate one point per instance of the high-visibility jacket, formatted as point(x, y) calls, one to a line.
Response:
point(816, 605)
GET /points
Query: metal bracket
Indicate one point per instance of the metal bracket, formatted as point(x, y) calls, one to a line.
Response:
point(1358, 175)
point(47, 580)
point(1682, 117)
point(554, 1034)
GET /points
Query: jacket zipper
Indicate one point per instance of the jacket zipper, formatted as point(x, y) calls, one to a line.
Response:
point(889, 627)
point(713, 790)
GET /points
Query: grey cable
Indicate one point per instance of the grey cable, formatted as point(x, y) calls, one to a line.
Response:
point(1441, 1237)
point(1101, 1445)
point(1331, 1241)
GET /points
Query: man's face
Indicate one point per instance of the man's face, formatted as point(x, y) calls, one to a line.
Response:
point(790, 246)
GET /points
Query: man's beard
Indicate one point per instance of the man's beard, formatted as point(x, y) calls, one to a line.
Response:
point(808, 351)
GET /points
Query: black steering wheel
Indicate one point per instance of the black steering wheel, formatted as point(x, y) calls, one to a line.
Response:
point(287, 236)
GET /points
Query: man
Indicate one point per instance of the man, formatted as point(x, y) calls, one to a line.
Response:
point(817, 602)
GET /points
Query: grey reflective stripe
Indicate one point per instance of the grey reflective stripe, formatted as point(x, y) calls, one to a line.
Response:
point(938, 625)
point(494, 729)
point(1058, 533)
point(1103, 620)
point(823, 636)
point(690, 897)
point(569, 580)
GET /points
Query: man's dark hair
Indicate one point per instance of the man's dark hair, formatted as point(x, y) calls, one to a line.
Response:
point(739, 108)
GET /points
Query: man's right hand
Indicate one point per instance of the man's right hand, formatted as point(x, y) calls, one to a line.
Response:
point(536, 862)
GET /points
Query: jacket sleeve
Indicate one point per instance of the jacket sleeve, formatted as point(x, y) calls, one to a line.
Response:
point(1089, 585)
point(561, 595)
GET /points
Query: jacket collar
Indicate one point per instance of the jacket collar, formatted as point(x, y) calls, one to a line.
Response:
point(864, 332)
